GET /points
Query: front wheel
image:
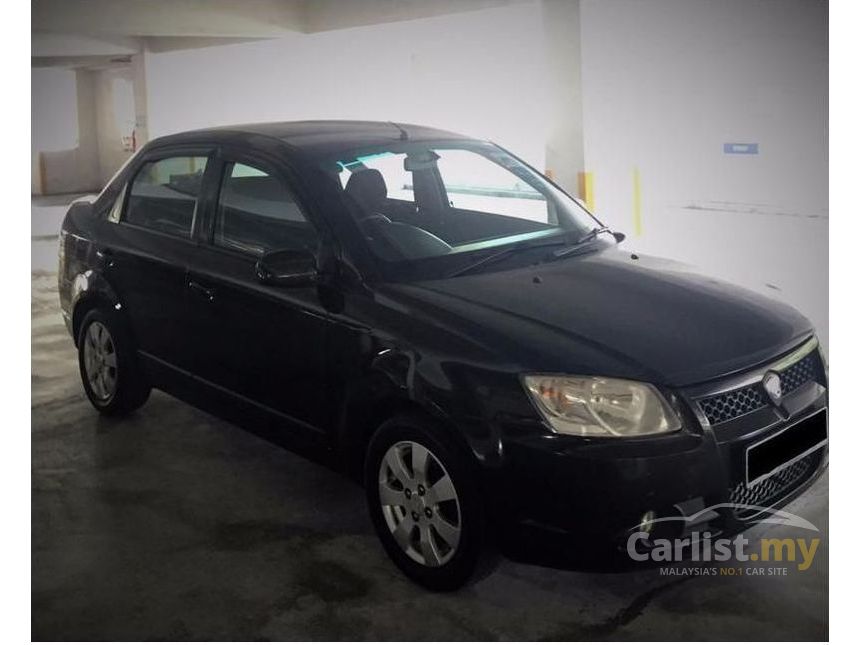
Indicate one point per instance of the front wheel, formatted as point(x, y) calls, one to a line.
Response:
point(424, 503)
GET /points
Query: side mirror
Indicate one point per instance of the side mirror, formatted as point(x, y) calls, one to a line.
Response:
point(287, 268)
point(619, 237)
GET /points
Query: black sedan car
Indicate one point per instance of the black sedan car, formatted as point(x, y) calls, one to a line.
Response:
point(453, 329)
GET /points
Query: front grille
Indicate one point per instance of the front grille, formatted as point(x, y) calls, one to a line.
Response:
point(735, 403)
point(801, 372)
point(774, 488)
point(730, 405)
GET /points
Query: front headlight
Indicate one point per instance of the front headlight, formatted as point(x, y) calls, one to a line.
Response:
point(590, 406)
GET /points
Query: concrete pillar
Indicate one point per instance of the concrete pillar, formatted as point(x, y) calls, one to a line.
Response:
point(88, 144)
point(141, 98)
point(565, 157)
point(87, 158)
point(75, 170)
point(113, 125)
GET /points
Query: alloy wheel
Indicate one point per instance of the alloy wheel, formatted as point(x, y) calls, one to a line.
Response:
point(100, 361)
point(419, 503)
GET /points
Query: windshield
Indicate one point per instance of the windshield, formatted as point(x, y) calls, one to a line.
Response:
point(426, 207)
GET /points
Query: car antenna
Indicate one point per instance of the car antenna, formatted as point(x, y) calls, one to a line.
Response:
point(404, 136)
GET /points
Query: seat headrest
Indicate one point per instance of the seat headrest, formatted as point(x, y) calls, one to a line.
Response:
point(367, 187)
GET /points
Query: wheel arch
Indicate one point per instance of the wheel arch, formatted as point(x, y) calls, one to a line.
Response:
point(372, 402)
point(91, 291)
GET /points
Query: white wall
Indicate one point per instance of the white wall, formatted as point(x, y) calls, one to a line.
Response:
point(478, 73)
point(666, 83)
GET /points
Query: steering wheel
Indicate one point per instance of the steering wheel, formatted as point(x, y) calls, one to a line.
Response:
point(376, 218)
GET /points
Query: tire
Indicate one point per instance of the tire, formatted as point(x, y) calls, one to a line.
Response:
point(436, 540)
point(112, 378)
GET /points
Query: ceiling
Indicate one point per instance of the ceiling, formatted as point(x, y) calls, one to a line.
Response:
point(104, 33)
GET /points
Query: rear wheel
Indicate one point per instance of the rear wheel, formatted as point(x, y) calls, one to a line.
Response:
point(425, 504)
point(110, 374)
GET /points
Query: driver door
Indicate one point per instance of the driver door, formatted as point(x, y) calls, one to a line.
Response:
point(262, 344)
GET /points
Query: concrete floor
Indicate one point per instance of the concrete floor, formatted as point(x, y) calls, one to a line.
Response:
point(174, 525)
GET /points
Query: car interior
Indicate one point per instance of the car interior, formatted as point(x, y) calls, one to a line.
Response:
point(428, 225)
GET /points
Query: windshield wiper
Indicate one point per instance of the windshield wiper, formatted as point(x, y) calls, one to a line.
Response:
point(593, 233)
point(503, 253)
point(588, 237)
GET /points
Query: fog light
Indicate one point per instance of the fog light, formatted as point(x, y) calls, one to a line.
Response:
point(646, 525)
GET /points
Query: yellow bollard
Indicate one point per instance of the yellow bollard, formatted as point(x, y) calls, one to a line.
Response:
point(637, 204)
point(586, 189)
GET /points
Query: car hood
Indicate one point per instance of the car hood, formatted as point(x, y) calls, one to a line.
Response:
point(615, 314)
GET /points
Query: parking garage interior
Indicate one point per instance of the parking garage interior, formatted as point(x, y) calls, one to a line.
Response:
point(697, 128)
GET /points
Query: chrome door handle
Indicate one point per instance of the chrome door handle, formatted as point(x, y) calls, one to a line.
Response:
point(207, 292)
point(106, 256)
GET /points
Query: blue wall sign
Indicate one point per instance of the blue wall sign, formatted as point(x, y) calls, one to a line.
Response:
point(740, 148)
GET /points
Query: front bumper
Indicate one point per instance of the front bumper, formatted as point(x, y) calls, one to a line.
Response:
point(573, 502)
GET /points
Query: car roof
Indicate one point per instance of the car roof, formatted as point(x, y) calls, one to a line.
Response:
point(319, 138)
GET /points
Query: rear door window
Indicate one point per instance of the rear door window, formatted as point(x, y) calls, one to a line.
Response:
point(164, 195)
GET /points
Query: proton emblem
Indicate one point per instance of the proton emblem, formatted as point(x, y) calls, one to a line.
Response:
point(773, 386)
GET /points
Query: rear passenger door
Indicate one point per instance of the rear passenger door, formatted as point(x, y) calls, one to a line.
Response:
point(261, 343)
point(144, 245)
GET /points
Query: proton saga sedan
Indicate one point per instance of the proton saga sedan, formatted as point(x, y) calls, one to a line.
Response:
point(448, 326)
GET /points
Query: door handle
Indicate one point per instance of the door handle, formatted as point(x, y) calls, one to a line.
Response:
point(206, 292)
point(106, 255)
